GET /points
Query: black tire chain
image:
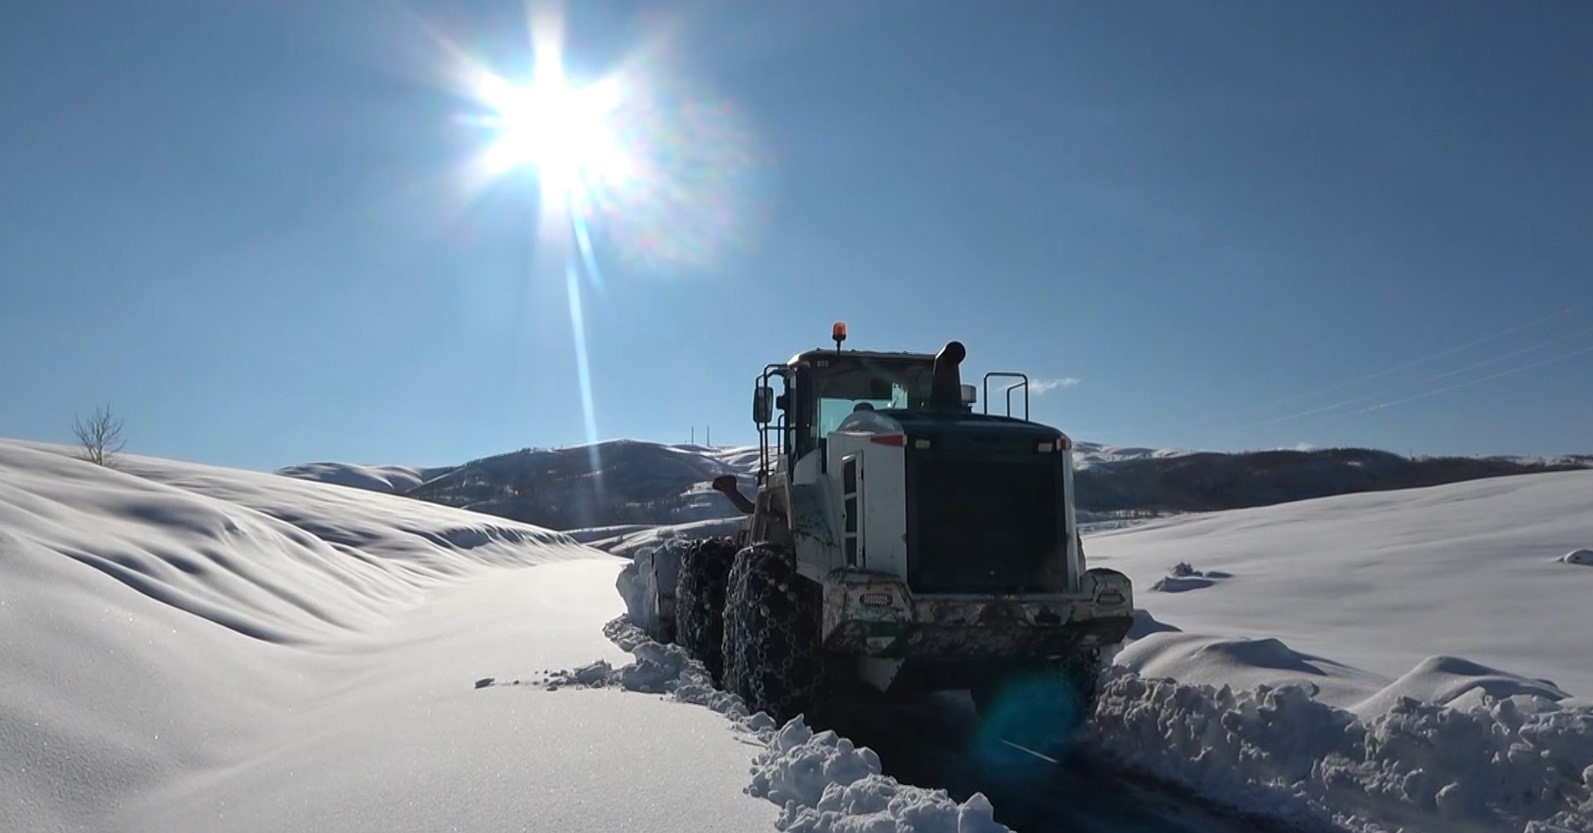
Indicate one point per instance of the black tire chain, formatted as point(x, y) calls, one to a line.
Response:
point(700, 601)
point(773, 659)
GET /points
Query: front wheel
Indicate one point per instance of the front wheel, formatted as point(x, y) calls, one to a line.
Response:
point(772, 656)
point(700, 601)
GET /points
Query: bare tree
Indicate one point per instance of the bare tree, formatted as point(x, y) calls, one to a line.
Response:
point(100, 436)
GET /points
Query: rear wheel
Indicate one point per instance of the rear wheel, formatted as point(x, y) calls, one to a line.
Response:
point(700, 601)
point(772, 657)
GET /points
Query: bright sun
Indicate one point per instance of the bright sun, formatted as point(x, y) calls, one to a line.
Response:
point(565, 133)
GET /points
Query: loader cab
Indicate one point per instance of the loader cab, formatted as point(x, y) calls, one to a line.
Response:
point(798, 404)
point(831, 387)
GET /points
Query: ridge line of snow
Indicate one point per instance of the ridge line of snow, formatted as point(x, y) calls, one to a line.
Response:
point(1484, 763)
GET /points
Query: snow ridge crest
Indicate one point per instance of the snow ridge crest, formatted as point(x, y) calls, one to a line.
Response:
point(1518, 763)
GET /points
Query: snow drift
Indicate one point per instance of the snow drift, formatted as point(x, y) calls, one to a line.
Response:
point(1383, 580)
point(388, 479)
point(194, 648)
point(1415, 659)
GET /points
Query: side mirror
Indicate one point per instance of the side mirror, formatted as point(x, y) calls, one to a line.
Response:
point(762, 405)
point(970, 394)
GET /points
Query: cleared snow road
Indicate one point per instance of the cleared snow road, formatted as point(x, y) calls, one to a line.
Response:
point(403, 740)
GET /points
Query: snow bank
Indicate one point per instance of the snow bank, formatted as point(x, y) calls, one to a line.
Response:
point(1202, 659)
point(652, 569)
point(1343, 661)
point(1449, 743)
point(824, 784)
point(1381, 581)
point(821, 782)
point(626, 542)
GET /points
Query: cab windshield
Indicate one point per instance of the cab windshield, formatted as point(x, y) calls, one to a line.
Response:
point(869, 384)
point(832, 411)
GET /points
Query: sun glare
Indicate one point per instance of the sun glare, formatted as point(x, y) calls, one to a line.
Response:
point(564, 133)
point(643, 168)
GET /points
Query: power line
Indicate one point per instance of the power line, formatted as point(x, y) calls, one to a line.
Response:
point(1467, 369)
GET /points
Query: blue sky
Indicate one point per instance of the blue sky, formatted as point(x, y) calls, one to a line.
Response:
point(1232, 225)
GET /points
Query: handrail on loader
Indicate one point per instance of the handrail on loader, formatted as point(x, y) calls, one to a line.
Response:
point(1010, 388)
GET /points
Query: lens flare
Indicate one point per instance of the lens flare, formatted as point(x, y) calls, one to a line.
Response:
point(562, 132)
point(639, 168)
point(1028, 717)
point(646, 166)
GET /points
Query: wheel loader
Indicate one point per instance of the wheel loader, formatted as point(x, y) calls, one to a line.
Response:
point(899, 543)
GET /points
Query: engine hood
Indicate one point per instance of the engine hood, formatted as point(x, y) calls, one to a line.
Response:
point(935, 424)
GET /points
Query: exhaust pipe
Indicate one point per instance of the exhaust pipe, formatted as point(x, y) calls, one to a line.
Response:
point(945, 391)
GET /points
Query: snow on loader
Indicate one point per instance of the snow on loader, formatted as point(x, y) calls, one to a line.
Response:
point(900, 543)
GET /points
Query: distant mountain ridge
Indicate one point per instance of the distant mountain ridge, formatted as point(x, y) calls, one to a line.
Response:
point(611, 483)
point(637, 483)
point(1209, 481)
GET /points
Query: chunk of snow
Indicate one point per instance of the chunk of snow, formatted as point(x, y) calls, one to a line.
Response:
point(649, 579)
point(825, 784)
point(1582, 556)
point(1183, 577)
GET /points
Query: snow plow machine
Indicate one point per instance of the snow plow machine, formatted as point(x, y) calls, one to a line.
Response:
point(900, 543)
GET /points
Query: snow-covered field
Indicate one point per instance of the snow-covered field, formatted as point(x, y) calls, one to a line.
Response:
point(1384, 580)
point(194, 648)
point(1419, 658)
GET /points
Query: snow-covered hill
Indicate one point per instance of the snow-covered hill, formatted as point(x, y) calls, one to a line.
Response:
point(1089, 455)
point(1383, 580)
point(1381, 608)
point(610, 483)
point(394, 480)
point(192, 648)
point(634, 483)
point(188, 648)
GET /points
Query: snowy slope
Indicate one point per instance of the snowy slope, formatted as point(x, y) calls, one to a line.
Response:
point(389, 479)
point(1419, 658)
point(1089, 455)
point(1382, 580)
point(194, 648)
point(603, 484)
point(190, 648)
